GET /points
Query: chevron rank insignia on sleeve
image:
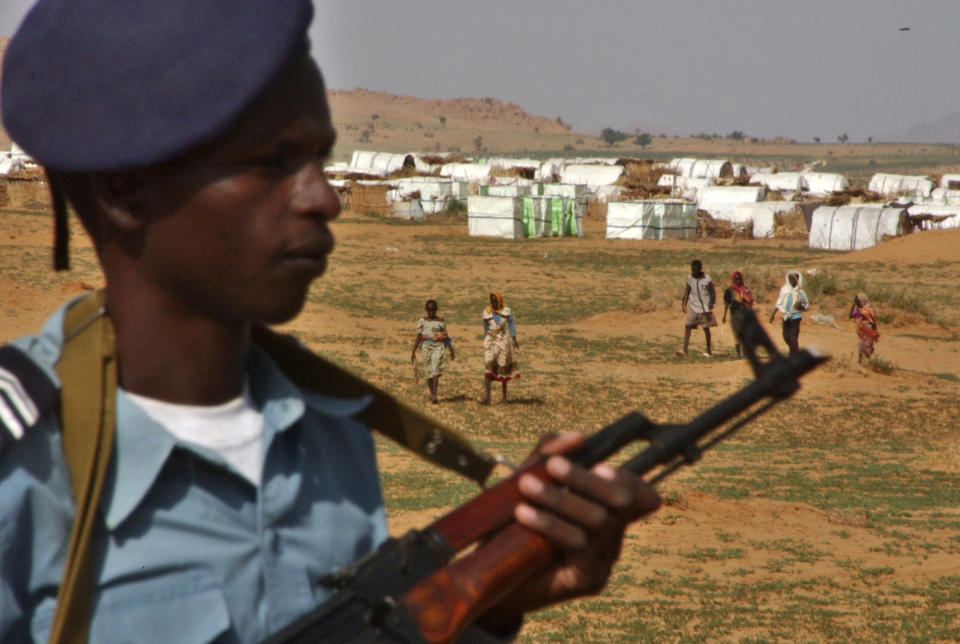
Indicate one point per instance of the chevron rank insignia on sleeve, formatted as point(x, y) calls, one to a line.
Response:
point(26, 394)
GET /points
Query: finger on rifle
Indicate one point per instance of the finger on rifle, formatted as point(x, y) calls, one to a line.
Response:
point(619, 491)
point(646, 499)
point(552, 443)
point(559, 443)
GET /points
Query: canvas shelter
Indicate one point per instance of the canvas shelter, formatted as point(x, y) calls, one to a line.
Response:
point(381, 163)
point(592, 176)
point(432, 195)
point(684, 187)
point(708, 168)
point(761, 216)
point(572, 191)
point(495, 217)
point(469, 172)
point(950, 182)
point(945, 196)
point(780, 181)
point(507, 163)
point(549, 170)
point(822, 184)
point(891, 185)
point(855, 227)
point(651, 220)
point(514, 190)
point(720, 201)
point(936, 216)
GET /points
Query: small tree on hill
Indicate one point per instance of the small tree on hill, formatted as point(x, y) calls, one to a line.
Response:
point(611, 136)
point(843, 138)
point(643, 139)
point(736, 135)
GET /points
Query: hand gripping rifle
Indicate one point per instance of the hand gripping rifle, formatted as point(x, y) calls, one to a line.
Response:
point(413, 590)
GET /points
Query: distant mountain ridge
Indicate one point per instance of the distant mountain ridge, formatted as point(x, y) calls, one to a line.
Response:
point(945, 130)
point(358, 105)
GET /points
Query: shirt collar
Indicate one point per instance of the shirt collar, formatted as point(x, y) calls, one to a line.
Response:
point(142, 447)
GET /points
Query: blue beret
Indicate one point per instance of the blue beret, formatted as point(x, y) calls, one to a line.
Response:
point(103, 85)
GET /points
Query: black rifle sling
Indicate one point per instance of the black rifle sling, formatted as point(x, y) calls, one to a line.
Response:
point(404, 425)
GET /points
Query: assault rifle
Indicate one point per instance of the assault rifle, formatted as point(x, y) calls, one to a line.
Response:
point(413, 590)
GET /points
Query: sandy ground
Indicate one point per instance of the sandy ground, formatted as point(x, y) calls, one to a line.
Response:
point(690, 520)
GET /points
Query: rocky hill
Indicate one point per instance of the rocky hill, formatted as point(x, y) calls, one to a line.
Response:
point(363, 106)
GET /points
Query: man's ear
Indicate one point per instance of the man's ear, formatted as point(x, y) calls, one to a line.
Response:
point(120, 196)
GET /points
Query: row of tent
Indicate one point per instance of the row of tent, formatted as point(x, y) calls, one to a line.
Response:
point(685, 175)
point(746, 207)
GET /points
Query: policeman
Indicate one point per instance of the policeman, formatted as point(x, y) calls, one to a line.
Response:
point(189, 137)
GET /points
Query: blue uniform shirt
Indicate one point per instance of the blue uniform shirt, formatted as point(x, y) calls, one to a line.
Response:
point(188, 549)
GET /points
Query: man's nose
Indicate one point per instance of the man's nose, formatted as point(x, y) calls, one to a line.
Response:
point(314, 194)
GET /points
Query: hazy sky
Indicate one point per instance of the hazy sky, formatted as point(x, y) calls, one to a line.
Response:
point(764, 67)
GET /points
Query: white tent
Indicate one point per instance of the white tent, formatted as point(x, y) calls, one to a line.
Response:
point(822, 184)
point(506, 163)
point(950, 181)
point(685, 187)
point(434, 194)
point(945, 196)
point(603, 194)
point(855, 227)
point(651, 220)
point(712, 168)
point(381, 163)
point(720, 201)
point(506, 190)
point(897, 184)
point(819, 184)
point(551, 216)
point(780, 181)
point(762, 215)
point(950, 216)
point(469, 172)
point(572, 191)
point(495, 216)
point(512, 181)
point(548, 169)
point(591, 176)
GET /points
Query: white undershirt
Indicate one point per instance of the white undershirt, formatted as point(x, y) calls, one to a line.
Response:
point(233, 429)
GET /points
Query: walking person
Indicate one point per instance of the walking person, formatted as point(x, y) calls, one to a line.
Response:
point(868, 329)
point(791, 303)
point(736, 295)
point(499, 343)
point(700, 294)
point(432, 339)
point(226, 482)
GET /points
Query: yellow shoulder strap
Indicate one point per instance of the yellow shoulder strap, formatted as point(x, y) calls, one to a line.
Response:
point(404, 425)
point(88, 416)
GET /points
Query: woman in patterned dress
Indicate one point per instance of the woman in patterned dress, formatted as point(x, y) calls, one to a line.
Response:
point(499, 342)
point(432, 338)
point(868, 329)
